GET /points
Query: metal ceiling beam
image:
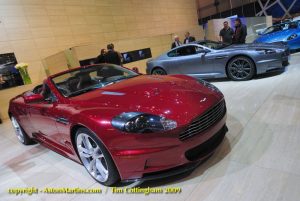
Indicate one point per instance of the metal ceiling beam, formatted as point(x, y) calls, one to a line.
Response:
point(266, 6)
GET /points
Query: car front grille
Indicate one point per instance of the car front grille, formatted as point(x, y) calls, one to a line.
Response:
point(205, 121)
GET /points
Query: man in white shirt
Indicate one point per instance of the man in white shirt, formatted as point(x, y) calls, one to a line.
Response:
point(176, 42)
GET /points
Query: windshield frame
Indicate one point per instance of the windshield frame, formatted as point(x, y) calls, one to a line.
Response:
point(130, 72)
point(223, 45)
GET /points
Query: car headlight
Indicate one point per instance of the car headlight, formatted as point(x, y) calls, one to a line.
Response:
point(136, 122)
point(266, 51)
point(209, 85)
point(293, 36)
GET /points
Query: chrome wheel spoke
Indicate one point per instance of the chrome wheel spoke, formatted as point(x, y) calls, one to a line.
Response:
point(100, 167)
point(84, 152)
point(235, 65)
point(92, 166)
point(246, 73)
point(86, 142)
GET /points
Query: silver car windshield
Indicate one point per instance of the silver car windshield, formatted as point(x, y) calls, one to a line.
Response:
point(87, 79)
point(281, 27)
point(213, 45)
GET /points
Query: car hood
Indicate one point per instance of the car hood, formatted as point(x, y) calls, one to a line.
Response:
point(180, 97)
point(276, 36)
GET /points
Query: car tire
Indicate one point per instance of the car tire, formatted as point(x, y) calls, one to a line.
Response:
point(21, 134)
point(241, 68)
point(158, 71)
point(95, 157)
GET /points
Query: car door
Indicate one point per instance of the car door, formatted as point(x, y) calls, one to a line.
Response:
point(190, 60)
point(24, 113)
point(43, 117)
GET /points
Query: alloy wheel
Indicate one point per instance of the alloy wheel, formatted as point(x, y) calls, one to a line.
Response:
point(159, 71)
point(240, 69)
point(92, 157)
point(18, 130)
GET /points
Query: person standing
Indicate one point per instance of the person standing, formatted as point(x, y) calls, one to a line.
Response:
point(101, 58)
point(120, 55)
point(240, 33)
point(189, 38)
point(112, 56)
point(226, 33)
point(176, 42)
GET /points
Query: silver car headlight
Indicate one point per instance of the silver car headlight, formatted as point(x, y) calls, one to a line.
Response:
point(209, 85)
point(136, 122)
point(293, 36)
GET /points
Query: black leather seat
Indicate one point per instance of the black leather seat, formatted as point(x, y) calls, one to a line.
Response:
point(85, 81)
point(72, 83)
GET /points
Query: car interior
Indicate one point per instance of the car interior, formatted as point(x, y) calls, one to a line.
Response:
point(87, 78)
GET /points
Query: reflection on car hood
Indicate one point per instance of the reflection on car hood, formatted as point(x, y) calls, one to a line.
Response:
point(276, 36)
point(256, 46)
point(176, 97)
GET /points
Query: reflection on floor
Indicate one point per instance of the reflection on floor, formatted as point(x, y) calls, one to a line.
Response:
point(258, 161)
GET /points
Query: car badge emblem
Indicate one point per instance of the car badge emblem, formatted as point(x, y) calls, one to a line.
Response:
point(203, 100)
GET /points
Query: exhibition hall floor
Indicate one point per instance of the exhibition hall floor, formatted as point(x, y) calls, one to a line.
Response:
point(259, 159)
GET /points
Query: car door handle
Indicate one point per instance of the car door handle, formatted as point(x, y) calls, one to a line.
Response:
point(62, 120)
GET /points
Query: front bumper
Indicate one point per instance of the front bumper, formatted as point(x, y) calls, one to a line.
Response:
point(173, 157)
point(200, 153)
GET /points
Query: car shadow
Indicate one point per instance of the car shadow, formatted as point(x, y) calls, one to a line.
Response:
point(295, 51)
point(257, 77)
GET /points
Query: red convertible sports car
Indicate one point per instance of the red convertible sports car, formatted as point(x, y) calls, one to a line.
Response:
point(121, 125)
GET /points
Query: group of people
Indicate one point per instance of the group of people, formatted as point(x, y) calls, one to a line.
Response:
point(230, 36)
point(109, 56)
point(188, 39)
point(227, 35)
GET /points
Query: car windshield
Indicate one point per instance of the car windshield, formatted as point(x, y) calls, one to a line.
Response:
point(281, 27)
point(213, 45)
point(86, 79)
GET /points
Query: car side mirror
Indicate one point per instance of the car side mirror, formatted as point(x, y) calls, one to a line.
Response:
point(33, 98)
point(259, 32)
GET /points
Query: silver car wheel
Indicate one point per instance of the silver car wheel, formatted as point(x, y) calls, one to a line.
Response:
point(240, 68)
point(18, 130)
point(92, 157)
point(158, 71)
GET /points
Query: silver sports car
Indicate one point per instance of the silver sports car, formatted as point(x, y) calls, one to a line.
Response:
point(209, 59)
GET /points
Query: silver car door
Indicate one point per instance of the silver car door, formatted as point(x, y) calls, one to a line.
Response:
point(172, 63)
point(192, 60)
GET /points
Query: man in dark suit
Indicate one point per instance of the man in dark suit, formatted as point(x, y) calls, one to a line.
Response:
point(189, 38)
point(240, 32)
point(112, 56)
point(176, 42)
